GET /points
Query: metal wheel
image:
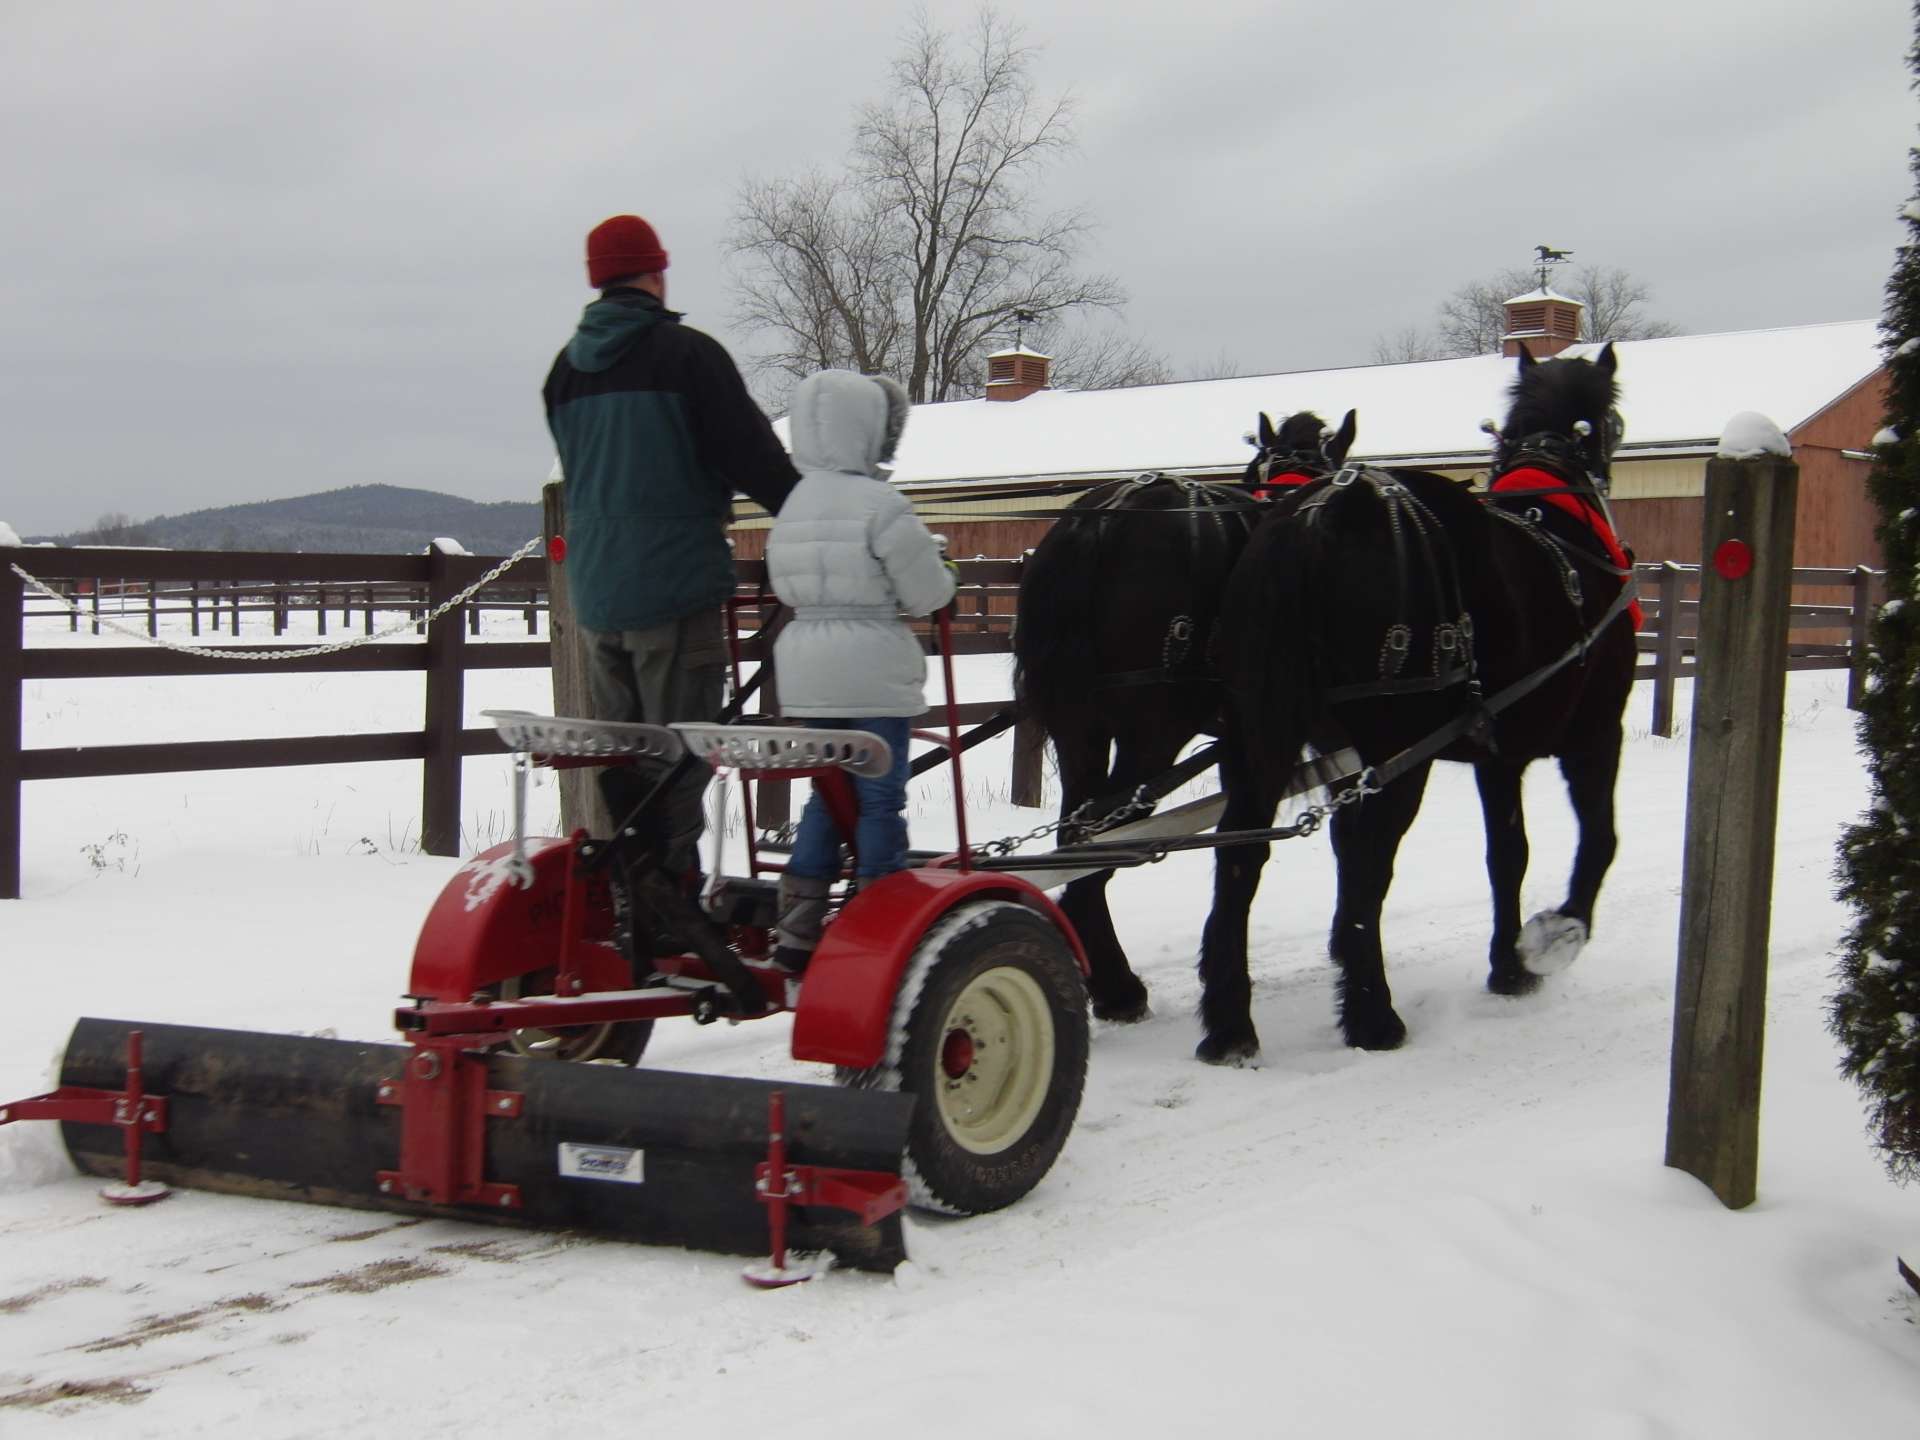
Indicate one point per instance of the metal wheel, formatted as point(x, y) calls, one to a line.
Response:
point(619, 1041)
point(996, 1060)
point(990, 1028)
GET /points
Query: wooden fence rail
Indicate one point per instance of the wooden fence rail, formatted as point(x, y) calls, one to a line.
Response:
point(216, 601)
point(291, 584)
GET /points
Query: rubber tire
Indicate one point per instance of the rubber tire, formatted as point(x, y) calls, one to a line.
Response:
point(942, 1174)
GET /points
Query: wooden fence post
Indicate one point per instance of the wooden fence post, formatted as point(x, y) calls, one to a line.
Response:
point(1666, 655)
point(1862, 629)
point(12, 667)
point(581, 807)
point(1733, 781)
point(1029, 756)
point(153, 608)
point(446, 706)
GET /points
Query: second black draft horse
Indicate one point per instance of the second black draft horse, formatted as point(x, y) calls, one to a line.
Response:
point(1397, 613)
point(1113, 655)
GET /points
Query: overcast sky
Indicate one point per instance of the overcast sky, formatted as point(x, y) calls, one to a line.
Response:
point(255, 250)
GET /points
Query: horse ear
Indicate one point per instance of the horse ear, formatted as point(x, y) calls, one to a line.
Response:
point(1606, 362)
point(1526, 356)
point(1266, 432)
point(1343, 442)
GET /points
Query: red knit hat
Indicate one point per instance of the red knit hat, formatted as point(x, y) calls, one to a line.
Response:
point(624, 245)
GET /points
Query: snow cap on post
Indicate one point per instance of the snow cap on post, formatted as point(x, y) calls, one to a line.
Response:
point(447, 545)
point(1750, 435)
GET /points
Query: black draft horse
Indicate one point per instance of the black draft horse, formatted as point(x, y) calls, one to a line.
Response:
point(1391, 611)
point(1118, 608)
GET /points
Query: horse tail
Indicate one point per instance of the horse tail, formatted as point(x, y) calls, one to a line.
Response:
point(1053, 664)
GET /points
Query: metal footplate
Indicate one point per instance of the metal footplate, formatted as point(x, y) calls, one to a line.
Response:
point(783, 747)
point(533, 734)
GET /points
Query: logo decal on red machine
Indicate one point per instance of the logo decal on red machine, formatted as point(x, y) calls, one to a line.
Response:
point(603, 1162)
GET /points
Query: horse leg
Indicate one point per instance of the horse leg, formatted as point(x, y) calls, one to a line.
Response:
point(1226, 989)
point(1115, 991)
point(1366, 838)
point(1499, 782)
point(1553, 939)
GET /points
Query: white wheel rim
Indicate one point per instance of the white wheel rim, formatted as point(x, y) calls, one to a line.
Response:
point(993, 1064)
point(578, 1046)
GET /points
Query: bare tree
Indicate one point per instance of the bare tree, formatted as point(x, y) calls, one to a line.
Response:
point(915, 259)
point(1221, 367)
point(1105, 359)
point(1613, 299)
point(821, 282)
point(1474, 317)
point(1407, 344)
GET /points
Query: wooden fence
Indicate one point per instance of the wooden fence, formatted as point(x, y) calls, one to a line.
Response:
point(163, 583)
point(220, 604)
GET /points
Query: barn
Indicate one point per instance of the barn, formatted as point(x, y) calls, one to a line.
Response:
point(973, 465)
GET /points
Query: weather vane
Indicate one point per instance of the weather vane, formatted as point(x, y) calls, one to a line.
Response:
point(1022, 319)
point(1546, 257)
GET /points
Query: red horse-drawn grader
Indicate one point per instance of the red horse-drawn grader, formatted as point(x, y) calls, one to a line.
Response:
point(948, 999)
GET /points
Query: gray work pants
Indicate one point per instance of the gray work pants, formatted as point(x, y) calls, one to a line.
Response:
point(675, 671)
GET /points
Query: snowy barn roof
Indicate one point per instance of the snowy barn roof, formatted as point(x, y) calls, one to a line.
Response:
point(1676, 394)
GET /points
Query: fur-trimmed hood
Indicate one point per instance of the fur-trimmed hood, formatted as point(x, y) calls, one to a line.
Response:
point(847, 423)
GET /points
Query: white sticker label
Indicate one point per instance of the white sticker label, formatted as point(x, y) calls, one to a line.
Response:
point(603, 1162)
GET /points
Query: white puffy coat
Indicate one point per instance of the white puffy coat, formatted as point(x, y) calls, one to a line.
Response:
point(849, 555)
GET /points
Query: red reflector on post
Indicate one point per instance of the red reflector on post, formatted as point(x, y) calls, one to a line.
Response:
point(1733, 559)
point(557, 549)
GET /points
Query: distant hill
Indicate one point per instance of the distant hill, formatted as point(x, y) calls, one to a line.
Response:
point(357, 520)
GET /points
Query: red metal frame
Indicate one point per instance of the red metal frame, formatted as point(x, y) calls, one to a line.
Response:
point(131, 1108)
point(444, 1109)
point(870, 1195)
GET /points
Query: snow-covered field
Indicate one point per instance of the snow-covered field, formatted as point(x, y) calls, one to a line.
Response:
point(1471, 1236)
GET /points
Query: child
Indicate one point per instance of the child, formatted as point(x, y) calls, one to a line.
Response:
point(849, 555)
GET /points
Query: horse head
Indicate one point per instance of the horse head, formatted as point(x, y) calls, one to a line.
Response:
point(1303, 448)
point(1564, 412)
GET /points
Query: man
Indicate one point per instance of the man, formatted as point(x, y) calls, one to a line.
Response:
point(656, 432)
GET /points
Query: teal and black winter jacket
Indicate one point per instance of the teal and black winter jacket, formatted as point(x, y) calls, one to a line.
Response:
point(656, 432)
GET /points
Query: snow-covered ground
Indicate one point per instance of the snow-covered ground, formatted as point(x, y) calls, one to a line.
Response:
point(1471, 1236)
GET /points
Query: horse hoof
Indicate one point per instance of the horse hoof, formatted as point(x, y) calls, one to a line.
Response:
point(1124, 1003)
point(1217, 1051)
point(1513, 982)
point(1550, 942)
point(1386, 1032)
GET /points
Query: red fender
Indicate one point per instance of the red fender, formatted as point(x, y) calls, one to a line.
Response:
point(484, 928)
point(846, 1004)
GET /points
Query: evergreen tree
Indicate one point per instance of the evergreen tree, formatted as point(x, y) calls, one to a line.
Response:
point(1876, 1013)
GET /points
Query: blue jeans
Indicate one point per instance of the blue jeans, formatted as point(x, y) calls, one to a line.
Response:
point(881, 834)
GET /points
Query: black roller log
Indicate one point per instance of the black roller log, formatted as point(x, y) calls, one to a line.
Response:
point(287, 1117)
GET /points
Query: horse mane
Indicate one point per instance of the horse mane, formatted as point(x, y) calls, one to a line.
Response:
point(1551, 396)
